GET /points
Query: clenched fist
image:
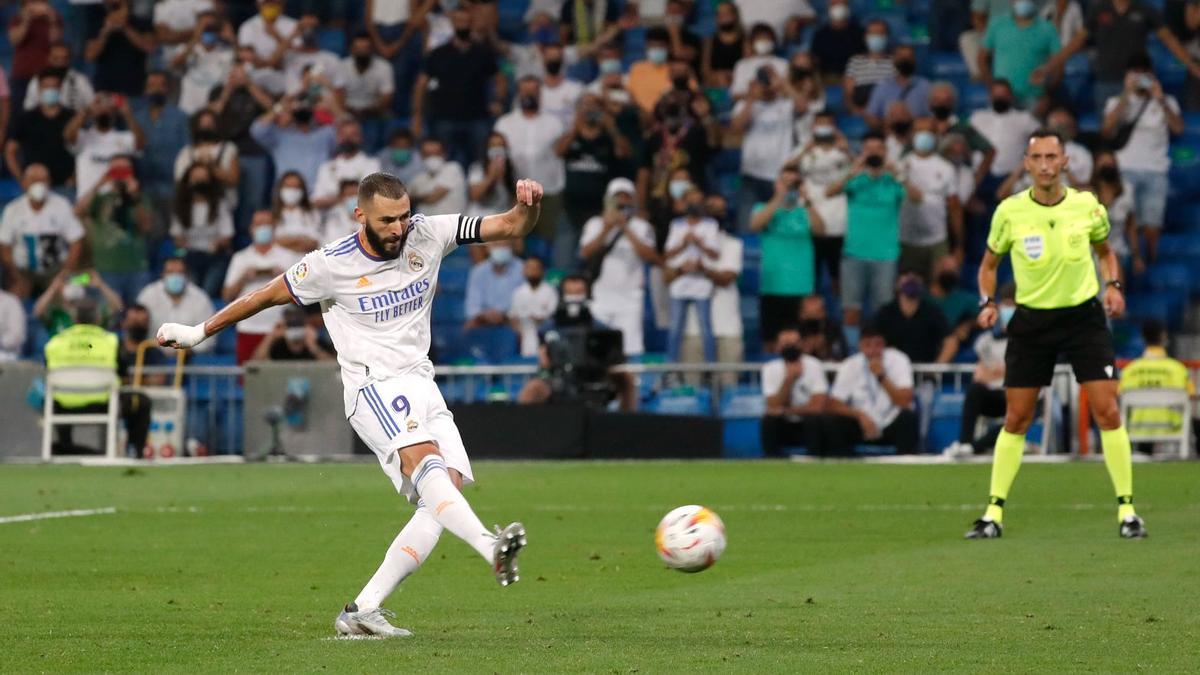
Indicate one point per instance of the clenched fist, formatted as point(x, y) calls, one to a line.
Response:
point(180, 336)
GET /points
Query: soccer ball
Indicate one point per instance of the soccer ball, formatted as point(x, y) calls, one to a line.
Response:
point(690, 538)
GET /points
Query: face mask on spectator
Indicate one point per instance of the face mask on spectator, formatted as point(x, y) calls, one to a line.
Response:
point(104, 121)
point(500, 255)
point(290, 196)
point(1024, 9)
point(302, 115)
point(790, 353)
point(270, 11)
point(350, 203)
point(138, 332)
point(874, 161)
point(942, 112)
point(554, 67)
point(678, 187)
point(534, 280)
point(528, 103)
point(1001, 105)
point(73, 292)
point(434, 163)
point(694, 210)
point(401, 156)
point(1006, 314)
point(263, 234)
point(49, 97)
point(924, 142)
point(37, 191)
point(912, 288)
point(497, 152)
point(876, 43)
point(347, 148)
point(610, 66)
point(206, 136)
point(657, 55)
point(1106, 173)
point(823, 133)
point(906, 67)
point(947, 280)
point(174, 283)
point(157, 99)
point(680, 82)
point(839, 13)
point(293, 333)
point(362, 61)
point(463, 34)
point(762, 47)
point(209, 38)
point(902, 127)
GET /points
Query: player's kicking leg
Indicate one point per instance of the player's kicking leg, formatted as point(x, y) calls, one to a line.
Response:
point(1006, 460)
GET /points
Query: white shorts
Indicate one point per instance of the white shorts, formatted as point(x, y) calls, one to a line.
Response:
point(403, 411)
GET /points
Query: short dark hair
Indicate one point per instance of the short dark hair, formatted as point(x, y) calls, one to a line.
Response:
point(790, 328)
point(382, 184)
point(577, 276)
point(1139, 61)
point(1003, 83)
point(1154, 333)
point(761, 27)
point(870, 330)
point(874, 136)
point(87, 311)
point(658, 34)
point(136, 307)
point(176, 257)
point(1046, 132)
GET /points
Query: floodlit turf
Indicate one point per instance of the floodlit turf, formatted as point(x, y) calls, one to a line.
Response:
point(833, 566)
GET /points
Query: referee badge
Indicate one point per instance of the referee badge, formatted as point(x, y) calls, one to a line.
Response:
point(1034, 246)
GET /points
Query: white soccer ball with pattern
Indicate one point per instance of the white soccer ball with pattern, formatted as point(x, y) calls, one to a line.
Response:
point(690, 538)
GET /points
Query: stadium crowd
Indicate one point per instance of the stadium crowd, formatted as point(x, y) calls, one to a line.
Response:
point(733, 178)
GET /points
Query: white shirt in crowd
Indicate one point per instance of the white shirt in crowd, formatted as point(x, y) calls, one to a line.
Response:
point(769, 140)
point(332, 172)
point(206, 68)
point(295, 221)
point(812, 380)
point(990, 348)
point(253, 32)
point(12, 326)
point(75, 92)
point(856, 386)
point(726, 301)
point(822, 166)
point(363, 89)
point(560, 101)
point(619, 291)
point(694, 286)
point(747, 69)
point(268, 264)
point(224, 154)
point(530, 307)
point(1008, 133)
point(203, 235)
point(802, 123)
point(449, 175)
point(50, 231)
point(531, 141)
point(93, 149)
point(180, 15)
point(190, 308)
point(1072, 19)
point(339, 221)
point(925, 223)
point(390, 13)
point(774, 13)
point(497, 200)
point(1150, 140)
point(328, 63)
point(1118, 216)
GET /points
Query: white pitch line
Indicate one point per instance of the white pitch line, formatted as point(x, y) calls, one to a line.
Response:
point(46, 515)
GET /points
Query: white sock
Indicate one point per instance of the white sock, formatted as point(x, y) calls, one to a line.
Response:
point(448, 505)
point(410, 548)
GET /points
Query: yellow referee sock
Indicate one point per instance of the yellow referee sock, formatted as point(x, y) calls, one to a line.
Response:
point(1118, 458)
point(1005, 464)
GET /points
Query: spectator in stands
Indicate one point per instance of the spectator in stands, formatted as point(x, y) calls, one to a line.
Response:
point(580, 21)
point(1119, 31)
point(1184, 22)
point(808, 94)
point(490, 287)
point(559, 93)
point(532, 303)
point(1079, 158)
point(971, 41)
point(100, 140)
point(295, 142)
point(836, 42)
point(611, 80)
point(593, 152)
point(249, 269)
point(349, 162)
point(1007, 129)
point(270, 33)
point(943, 100)
point(175, 22)
point(1067, 17)
point(202, 225)
point(985, 396)
point(684, 43)
point(298, 224)
point(175, 299)
point(953, 147)
point(871, 400)
point(824, 161)
point(865, 70)
point(397, 33)
point(914, 325)
point(1156, 370)
point(166, 130)
point(959, 307)
point(292, 339)
point(1116, 194)
point(1149, 117)
point(205, 60)
point(459, 112)
point(55, 307)
point(724, 48)
point(237, 103)
point(764, 119)
point(693, 244)
point(874, 195)
point(119, 218)
point(1016, 47)
point(209, 148)
point(490, 183)
point(31, 31)
point(39, 235)
point(897, 130)
point(649, 78)
point(787, 18)
point(762, 55)
point(785, 223)
point(796, 392)
point(400, 157)
point(121, 50)
point(75, 89)
point(441, 186)
point(135, 330)
point(307, 67)
point(905, 86)
point(12, 326)
point(932, 226)
point(532, 136)
point(678, 140)
point(821, 335)
point(370, 86)
point(340, 219)
point(726, 301)
point(615, 247)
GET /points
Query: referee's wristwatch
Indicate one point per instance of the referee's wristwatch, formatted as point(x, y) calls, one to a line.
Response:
point(984, 301)
point(1115, 283)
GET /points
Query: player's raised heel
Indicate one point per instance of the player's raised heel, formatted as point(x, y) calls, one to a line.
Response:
point(509, 543)
point(367, 622)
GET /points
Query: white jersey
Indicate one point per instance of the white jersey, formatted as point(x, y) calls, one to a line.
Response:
point(376, 310)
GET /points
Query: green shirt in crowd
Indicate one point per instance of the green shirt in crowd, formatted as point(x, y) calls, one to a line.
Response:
point(787, 253)
point(873, 231)
point(118, 245)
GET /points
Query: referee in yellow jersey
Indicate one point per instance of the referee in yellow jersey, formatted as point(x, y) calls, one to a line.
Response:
point(1050, 231)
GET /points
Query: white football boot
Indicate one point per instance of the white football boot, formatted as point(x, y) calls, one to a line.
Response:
point(509, 543)
point(368, 622)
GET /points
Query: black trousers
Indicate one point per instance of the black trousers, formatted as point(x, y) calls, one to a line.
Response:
point(134, 411)
point(843, 433)
point(779, 431)
point(980, 401)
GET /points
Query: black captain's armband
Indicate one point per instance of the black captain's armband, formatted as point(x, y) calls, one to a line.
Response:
point(468, 230)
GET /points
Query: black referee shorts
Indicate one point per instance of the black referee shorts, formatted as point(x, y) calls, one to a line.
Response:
point(1038, 337)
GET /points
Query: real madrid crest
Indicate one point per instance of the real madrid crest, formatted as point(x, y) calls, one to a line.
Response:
point(415, 261)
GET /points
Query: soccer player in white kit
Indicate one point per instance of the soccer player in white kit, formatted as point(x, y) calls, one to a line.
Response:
point(375, 288)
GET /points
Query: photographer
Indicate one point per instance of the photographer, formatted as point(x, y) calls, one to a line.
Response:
point(566, 375)
point(118, 218)
point(796, 391)
point(764, 119)
point(94, 138)
point(294, 139)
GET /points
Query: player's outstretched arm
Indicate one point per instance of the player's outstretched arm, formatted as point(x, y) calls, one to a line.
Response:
point(520, 219)
point(180, 336)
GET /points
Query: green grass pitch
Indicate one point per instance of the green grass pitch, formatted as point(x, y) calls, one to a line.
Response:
point(845, 567)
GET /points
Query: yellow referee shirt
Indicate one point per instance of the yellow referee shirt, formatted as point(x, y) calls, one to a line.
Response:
point(1051, 246)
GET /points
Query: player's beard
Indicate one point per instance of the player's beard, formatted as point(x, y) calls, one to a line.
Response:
point(380, 245)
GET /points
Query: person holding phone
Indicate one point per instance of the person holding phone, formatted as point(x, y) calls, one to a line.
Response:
point(93, 136)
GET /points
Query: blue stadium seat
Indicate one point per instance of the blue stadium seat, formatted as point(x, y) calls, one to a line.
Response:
point(453, 280)
point(448, 340)
point(213, 359)
point(741, 411)
point(834, 98)
point(748, 282)
point(974, 96)
point(728, 160)
point(682, 402)
point(945, 417)
point(853, 126)
point(448, 307)
point(1183, 216)
point(332, 39)
point(1167, 276)
point(948, 66)
point(495, 345)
